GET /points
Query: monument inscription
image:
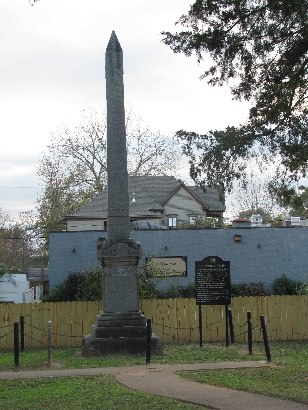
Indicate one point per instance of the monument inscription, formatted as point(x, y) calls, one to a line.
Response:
point(213, 283)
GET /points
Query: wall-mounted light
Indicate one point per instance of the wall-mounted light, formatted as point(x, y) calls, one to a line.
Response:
point(237, 238)
point(74, 250)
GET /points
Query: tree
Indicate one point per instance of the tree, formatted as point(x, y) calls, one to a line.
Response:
point(254, 197)
point(16, 246)
point(298, 202)
point(71, 172)
point(74, 168)
point(261, 48)
point(149, 153)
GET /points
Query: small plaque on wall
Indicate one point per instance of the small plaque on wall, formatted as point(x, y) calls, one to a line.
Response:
point(167, 266)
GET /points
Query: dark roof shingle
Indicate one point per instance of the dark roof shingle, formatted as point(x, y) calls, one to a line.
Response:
point(147, 195)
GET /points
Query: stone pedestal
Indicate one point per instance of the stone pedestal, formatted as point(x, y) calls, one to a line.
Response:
point(121, 328)
point(121, 333)
point(120, 259)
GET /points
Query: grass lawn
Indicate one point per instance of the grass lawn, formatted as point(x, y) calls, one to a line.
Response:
point(70, 358)
point(287, 379)
point(95, 393)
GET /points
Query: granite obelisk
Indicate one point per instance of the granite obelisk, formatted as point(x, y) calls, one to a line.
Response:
point(118, 201)
point(121, 327)
point(121, 254)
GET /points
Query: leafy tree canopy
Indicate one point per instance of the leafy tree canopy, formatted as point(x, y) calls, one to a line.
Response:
point(74, 168)
point(298, 201)
point(260, 47)
point(254, 195)
point(18, 247)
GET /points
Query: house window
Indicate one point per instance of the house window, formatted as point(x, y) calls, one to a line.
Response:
point(192, 220)
point(172, 222)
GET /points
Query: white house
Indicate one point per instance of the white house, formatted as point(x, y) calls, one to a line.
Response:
point(15, 288)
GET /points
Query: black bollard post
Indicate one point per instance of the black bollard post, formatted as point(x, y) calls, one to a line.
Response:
point(16, 344)
point(227, 326)
point(22, 333)
point(265, 339)
point(148, 342)
point(249, 325)
point(231, 325)
point(200, 325)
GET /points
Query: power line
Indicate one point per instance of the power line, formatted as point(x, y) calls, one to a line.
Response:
point(17, 187)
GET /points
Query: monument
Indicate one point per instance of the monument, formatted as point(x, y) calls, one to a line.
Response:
point(121, 327)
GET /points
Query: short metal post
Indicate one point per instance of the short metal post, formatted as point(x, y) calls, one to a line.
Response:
point(148, 342)
point(200, 325)
point(231, 326)
point(227, 326)
point(265, 338)
point(16, 344)
point(249, 325)
point(22, 333)
point(49, 343)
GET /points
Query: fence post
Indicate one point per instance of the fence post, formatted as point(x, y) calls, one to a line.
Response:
point(231, 325)
point(16, 344)
point(249, 325)
point(22, 333)
point(148, 342)
point(265, 339)
point(49, 342)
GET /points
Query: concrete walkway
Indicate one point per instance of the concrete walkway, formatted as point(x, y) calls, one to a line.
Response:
point(162, 380)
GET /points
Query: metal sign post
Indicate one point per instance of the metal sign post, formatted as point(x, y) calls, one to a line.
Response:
point(200, 325)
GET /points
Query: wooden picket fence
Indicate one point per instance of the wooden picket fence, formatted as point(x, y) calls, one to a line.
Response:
point(173, 320)
point(70, 322)
point(177, 320)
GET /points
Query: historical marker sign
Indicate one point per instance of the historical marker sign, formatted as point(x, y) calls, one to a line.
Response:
point(213, 284)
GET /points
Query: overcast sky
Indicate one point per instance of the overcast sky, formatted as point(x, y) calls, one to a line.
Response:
point(52, 68)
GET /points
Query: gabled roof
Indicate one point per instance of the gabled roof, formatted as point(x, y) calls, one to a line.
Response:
point(147, 195)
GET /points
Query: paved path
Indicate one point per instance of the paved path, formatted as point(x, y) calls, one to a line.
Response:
point(162, 380)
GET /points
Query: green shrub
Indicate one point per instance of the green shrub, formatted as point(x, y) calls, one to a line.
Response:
point(249, 289)
point(286, 286)
point(172, 292)
point(189, 291)
point(302, 289)
point(55, 295)
point(79, 285)
point(177, 291)
point(146, 286)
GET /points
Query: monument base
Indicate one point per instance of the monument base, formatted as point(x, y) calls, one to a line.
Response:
point(117, 333)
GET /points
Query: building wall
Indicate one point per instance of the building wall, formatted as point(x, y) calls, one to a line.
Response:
point(83, 225)
point(263, 254)
point(184, 205)
point(12, 287)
